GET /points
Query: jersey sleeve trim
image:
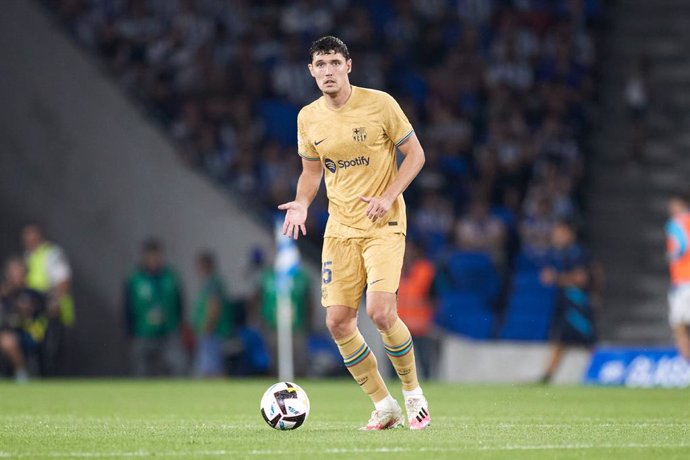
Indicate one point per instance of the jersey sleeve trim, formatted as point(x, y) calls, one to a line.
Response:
point(308, 157)
point(405, 137)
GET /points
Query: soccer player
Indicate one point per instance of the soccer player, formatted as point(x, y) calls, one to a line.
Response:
point(351, 134)
point(678, 253)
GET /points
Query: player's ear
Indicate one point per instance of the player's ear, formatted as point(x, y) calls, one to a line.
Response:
point(311, 70)
point(349, 65)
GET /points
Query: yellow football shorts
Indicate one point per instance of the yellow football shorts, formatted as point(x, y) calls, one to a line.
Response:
point(349, 265)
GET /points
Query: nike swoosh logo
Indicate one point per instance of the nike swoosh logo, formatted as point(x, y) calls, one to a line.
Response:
point(376, 281)
point(318, 142)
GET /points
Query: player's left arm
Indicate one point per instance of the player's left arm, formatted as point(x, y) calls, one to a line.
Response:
point(409, 168)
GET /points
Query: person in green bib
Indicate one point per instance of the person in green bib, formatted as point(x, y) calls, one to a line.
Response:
point(300, 296)
point(213, 319)
point(153, 314)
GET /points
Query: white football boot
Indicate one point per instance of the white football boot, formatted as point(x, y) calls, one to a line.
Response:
point(418, 416)
point(384, 419)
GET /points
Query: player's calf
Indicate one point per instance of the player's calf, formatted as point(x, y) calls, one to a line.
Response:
point(362, 365)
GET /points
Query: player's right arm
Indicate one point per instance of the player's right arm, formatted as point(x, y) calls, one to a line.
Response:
point(307, 187)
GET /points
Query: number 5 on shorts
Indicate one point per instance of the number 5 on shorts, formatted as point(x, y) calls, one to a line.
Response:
point(327, 272)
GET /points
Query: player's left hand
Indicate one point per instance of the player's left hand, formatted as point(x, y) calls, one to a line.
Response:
point(378, 206)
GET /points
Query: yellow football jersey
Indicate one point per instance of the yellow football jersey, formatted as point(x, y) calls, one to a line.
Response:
point(356, 145)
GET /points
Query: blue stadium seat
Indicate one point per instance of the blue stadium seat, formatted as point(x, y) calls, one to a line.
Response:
point(474, 272)
point(434, 243)
point(525, 262)
point(281, 120)
point(525, 283)
point(324, 357)
point(532, 327)
point(529, 310)
point(465, 313)
point(415, 86)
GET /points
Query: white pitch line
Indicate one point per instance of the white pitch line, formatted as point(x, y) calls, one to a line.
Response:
point(339, 451)
point(576, 447)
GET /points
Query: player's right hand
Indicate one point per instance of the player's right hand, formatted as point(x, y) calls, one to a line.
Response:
point(295, 217)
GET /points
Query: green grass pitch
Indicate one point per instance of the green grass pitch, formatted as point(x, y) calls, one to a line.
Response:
point(220, 419)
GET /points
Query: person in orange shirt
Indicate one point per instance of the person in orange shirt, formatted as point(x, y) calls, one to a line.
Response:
point(416, 305)
point(678, 255)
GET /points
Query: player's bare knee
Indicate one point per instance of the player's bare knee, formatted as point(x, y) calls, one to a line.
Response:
point(333, 326)
point(340, 327)
point(338, 330)
point(383, 318)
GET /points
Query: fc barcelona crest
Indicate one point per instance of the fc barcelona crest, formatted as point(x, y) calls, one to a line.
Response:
point(359, 134)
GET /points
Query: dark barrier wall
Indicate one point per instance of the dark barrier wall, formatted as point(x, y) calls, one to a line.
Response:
point(77, 156)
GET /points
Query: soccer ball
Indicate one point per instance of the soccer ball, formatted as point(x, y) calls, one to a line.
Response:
point(285, 406)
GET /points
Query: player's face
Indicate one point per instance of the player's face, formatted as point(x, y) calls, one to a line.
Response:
point(330, 72)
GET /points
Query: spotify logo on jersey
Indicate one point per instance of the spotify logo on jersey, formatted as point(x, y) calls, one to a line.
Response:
point(344, 164)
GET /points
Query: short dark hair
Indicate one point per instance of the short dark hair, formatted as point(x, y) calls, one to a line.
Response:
point(32, 224)
point(152, 244)
point(681, 195)
point(327, 45)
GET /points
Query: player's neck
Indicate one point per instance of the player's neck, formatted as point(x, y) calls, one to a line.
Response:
point(339, 99)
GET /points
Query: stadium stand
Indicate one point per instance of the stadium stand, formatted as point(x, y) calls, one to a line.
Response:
point(499, 93)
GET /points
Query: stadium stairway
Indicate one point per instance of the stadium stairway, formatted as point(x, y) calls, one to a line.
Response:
point(626, 206)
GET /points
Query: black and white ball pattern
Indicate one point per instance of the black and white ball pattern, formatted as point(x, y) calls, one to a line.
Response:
point(285, 406)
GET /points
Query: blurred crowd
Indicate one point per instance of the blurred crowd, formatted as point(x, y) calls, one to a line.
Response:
point(498, 92)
